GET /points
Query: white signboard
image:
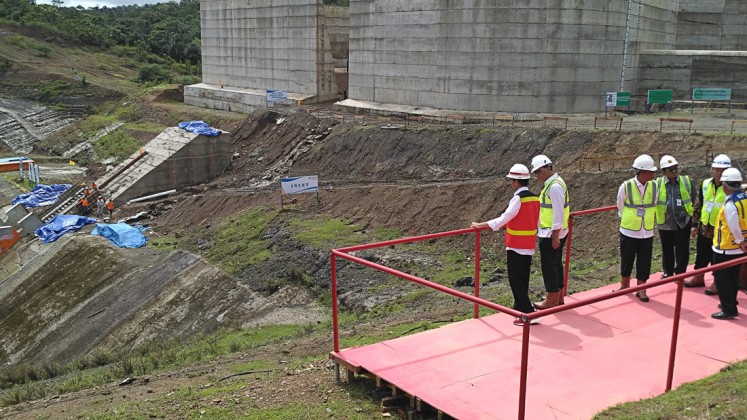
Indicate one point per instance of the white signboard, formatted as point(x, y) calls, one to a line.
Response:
point(611, 99)
point(277, 95)
point(300, 185)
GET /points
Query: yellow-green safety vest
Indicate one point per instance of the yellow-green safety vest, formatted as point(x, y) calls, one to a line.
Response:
point(685, 188)
point(546, 215)
point(630, 219)
point(713, 198)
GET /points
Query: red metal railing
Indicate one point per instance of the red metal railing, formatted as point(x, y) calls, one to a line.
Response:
point(678, 278)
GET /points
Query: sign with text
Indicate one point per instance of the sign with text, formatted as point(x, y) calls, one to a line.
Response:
point(300, 185)
point(659, 96)
point(711, 94)
point(277, 95)
point(617, 99)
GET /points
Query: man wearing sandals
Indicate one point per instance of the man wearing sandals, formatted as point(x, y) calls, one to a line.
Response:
point(636, 206)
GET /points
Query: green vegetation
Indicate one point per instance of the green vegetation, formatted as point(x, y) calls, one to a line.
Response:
point(324, 233)
point(238, 241)
point(117, 144)
point(25, 382)
point(720, 396)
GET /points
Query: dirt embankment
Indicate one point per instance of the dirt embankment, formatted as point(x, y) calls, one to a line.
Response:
point(417, 180)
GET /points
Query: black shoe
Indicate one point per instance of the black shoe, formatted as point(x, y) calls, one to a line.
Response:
point(665, 275)
point(722, 315)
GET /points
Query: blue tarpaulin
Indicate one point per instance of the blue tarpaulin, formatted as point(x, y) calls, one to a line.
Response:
point(200, 127)
point(41, 195)
point(60, 225)
point(122, 234)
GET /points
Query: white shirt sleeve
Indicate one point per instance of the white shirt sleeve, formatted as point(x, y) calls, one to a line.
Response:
point(513, 209)
point(557, 195)
point(621, 199)
point(732, 219)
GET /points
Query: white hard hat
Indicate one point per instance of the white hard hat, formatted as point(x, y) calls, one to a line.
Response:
point(731, 175)
point(721, 161)
point(540, 161)
point(644, 163)
point(667, 161)
point(518, 171)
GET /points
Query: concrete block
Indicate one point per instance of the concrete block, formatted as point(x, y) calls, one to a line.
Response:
point(28, 224)
point(15, 213)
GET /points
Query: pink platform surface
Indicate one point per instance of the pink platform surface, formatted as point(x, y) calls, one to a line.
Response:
point(580, 361)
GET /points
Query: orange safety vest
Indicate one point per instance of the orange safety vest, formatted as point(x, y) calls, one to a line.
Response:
point(521, 231)
point(110, 205)
point(84, 202)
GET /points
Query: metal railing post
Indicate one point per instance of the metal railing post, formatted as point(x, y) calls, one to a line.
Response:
point(567, 257)
point(333, 271)
point(477, 272)
point(524, 368)
point(675, 333)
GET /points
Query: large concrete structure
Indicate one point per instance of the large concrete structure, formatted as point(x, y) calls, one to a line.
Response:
point(176, 158)
point(251, 47)
point(551, 56)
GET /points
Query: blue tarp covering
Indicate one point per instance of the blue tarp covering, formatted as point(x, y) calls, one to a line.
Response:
point(41, 195)
point(60, 225)
point(200, 127)
point(122, 234)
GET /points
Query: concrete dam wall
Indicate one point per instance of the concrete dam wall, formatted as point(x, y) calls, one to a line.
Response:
point(250, 47)
point(519, 56)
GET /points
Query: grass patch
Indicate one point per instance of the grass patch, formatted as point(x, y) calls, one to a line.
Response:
point(325, 233)
point(237, 241)
point(720, 396)
point(28, 382)
point(117, 144)
point(164, 243)
point(386, 234)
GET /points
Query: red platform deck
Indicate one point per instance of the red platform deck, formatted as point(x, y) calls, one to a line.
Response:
point(580, 361)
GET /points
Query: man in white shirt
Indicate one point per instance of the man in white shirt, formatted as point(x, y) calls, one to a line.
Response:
point(636, 206)
point(553, 229)
point(520, 219)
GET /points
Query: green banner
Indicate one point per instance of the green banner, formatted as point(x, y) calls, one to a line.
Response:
point(711, 94)
point(659, 96)
point(623, 98)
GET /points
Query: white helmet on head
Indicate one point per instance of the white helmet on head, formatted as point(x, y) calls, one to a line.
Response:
point(518, 171)
point(731, 175)
point(721, 161)
point(540, 161)
point(667, 161)
point(644, 163)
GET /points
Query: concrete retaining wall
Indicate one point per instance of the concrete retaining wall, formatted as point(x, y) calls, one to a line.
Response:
point(684, 70)
point(479, 55)
point(267, 44)
point(712, 25)
point(338, 31)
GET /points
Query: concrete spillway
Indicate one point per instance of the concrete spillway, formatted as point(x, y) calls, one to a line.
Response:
point(176, 158)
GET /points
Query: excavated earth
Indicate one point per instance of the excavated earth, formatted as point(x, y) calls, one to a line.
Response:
point(83, 293)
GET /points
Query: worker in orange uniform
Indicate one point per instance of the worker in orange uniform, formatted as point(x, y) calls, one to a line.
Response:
point(730, 242)
point(85, 208)
point(520, 218)
point(94, 187)
point(110, 207)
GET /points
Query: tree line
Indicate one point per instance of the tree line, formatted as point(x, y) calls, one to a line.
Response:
point(164, 29)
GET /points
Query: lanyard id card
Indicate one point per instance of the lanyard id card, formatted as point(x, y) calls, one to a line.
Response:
point(641, 211)
point(708, 206)
point(679, 202)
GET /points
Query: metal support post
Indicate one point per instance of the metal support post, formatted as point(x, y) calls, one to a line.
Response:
point(675, 333)
point(477, 272)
